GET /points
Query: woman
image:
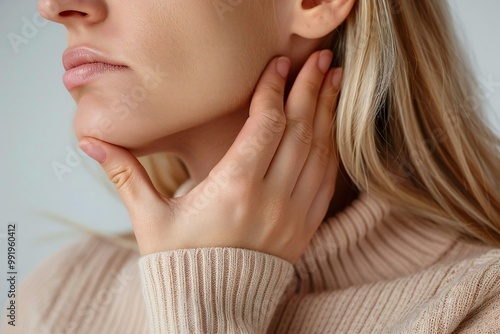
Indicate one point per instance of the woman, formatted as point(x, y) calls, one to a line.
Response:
point(301, 210)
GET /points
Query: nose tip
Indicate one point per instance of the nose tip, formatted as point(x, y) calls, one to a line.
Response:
point(70, 12)
point(46, 8)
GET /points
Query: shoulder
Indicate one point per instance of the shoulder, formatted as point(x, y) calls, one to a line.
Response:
point(73, 262)
point(478, 288)
point(74, 258)
point(479, 272)
point(471, 278)
point(460, 294)
point(65, 278)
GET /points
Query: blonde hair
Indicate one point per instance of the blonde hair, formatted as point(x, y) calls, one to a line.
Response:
point(409, 125)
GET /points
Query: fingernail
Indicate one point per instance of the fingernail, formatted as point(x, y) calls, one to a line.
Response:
point(283, 66)
point(325, 60)
point(337, 77)
point(93, 151)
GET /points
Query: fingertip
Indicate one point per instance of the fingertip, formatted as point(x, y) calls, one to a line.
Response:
point(88, 140)
point(283, 66)
point(337, 77)
point(83, 142)
point(93, 150)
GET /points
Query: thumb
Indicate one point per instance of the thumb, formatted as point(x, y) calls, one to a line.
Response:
point(126, 173)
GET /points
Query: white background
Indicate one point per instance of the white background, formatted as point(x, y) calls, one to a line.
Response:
point(36, 132)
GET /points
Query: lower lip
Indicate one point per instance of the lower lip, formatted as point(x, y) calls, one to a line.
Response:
point(86, 73)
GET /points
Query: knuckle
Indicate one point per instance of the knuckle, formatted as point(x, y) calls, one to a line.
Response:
point(120, 176)
point(228, 183)
point(273, 120)
point(274, 87)
point(311, 88)
point(240, 197)
point(329, 96)
point(303, 131)
point(323, 153)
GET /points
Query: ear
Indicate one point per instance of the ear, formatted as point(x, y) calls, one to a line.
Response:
point(314, 19)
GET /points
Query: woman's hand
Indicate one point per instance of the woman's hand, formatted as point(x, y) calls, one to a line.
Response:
point(269, 192)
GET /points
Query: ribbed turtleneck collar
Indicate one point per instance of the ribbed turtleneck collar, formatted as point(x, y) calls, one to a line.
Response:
point(368, 242)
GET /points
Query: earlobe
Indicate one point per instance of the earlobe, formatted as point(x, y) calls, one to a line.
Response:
point(315, 19)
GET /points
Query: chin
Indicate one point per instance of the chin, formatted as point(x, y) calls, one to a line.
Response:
point(133, 133)
point(98, 116)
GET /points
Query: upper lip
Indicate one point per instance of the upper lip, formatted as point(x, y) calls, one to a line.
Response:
point(81, 55)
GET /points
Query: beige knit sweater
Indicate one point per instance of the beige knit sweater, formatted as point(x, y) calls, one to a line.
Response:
point(367, 270)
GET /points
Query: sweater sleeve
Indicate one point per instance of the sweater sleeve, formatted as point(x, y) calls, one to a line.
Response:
point(212, 290)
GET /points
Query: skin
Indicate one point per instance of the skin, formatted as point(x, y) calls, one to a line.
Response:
point(212, 63)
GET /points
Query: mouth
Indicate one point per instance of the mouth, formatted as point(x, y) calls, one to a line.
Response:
point(83, 65)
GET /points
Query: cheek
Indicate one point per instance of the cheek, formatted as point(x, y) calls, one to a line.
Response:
point(132, 110)
point(198, 68)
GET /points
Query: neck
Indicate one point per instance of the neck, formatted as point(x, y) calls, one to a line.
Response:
point(201, 147)
point(208, 143)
